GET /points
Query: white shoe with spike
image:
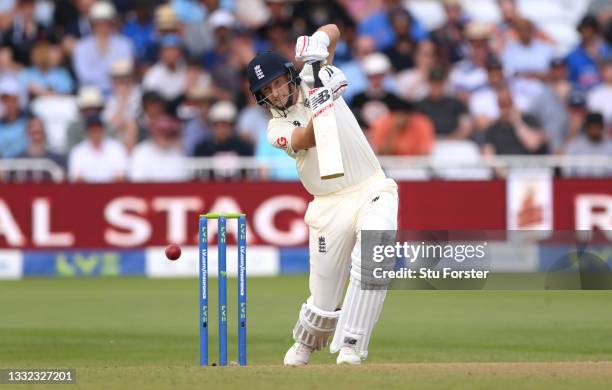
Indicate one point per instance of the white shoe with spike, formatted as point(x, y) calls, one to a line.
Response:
point(348, 355)
point(298, 355)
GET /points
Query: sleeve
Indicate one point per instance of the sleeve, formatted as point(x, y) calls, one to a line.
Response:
point(279, 136)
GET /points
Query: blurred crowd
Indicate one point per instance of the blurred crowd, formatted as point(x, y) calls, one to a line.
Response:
point(126, 89)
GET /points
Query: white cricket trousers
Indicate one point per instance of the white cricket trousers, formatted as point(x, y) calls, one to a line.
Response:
point(335, 223)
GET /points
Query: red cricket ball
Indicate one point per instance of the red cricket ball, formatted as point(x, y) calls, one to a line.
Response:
point(173, 252)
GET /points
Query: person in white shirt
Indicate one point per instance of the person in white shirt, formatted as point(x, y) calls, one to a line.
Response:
point(469, 74)
point(363, 199)
point(527, 56)
point(161, 158)
point(168, 76)
point(97, 159)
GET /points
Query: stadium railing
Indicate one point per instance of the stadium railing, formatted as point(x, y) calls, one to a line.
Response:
point(401, 168)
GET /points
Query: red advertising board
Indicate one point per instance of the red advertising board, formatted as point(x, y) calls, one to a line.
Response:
point(141, 215)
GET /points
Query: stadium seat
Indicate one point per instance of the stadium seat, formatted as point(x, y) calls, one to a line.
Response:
point(56, 112)
point(447, 153)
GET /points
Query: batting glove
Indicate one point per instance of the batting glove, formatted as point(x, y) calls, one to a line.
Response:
point(312, 49)
point(334, 79)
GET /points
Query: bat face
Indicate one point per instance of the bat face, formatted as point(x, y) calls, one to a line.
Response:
point(326, 133)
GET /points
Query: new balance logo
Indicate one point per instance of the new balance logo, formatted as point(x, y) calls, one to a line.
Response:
point(375, 199)
point(350, 341)
point(258, 72)
point(322, 245)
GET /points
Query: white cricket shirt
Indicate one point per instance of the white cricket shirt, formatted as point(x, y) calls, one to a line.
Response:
point(358, 158)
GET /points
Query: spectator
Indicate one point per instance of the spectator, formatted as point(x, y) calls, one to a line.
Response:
point(378, 25)
point(527, 56)
point(402, 132)
point(199, 36)
point(89, 101)
point(37, 149)
point(196, 130)
point(449, 37)
point(543, 103)
point(374, 101)
point(449, 115)
point(224, 144)
point(599, 99)
point(504, 29)
point(412, 83)
point(166, 23)
point(513, 133)
point(582, 61)
point(153, 106)
point(168, 76)
point(97, 158)
point(507, 30)
point(123, 106)
point(483, 103)
point(526, 94)
point(160, 158)
point(24, 32)
point(223, 23)
point(140, 29)
point(401, 52)
point(469, 74)
point(276, 37)
point(577, 110)
point(601, 8)
point(94, 55)
point(309, 15)
point(592, 142)
point(558, 79)
point(45, 77)
point(13, 137)
point(230, 54)
point(71, 19)
point(196, 75)
point(353, 69)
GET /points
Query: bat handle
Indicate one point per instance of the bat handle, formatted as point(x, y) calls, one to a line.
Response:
point(316, 66)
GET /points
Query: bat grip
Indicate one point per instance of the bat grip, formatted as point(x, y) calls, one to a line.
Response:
point(316, 66)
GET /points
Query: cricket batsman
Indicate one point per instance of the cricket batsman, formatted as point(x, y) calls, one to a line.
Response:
point(363, 199)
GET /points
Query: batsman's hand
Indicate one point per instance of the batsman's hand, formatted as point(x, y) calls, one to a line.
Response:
point(334, 79)
point(309, 49)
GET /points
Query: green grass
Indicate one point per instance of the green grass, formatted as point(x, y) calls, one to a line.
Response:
point(142, 333)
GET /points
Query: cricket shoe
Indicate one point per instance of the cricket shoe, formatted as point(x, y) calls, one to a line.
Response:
point(348, 355)
point(298, 355)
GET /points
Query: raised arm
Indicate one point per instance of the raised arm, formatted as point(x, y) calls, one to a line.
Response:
point(319, 46)
point(333, 33)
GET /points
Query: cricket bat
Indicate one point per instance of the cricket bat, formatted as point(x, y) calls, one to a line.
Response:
point(325, 128)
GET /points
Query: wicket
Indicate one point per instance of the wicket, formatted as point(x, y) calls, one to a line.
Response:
point(222, 272)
